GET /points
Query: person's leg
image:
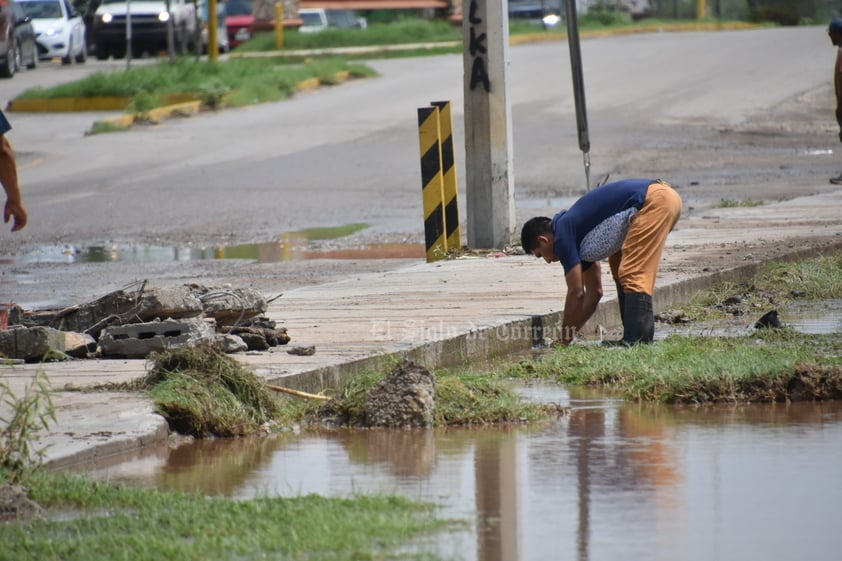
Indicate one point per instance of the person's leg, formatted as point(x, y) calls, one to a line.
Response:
point(642, 250)
point(614, 264)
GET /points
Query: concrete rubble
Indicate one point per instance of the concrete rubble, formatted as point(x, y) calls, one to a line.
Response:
point(406, 397)
point(132, 324)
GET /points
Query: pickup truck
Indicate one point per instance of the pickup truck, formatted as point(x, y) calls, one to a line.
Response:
point(149, 21)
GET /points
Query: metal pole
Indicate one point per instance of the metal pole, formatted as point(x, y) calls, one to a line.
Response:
point(213, 29)
point(170, 34)
point(128, 34)
point(578, 87)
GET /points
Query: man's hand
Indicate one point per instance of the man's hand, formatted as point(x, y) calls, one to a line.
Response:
point(17, 211)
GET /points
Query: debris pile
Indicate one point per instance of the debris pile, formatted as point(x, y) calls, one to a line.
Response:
point(406, 397)
point(132, 324)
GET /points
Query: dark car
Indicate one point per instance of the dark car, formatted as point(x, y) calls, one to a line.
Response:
point(17, 39)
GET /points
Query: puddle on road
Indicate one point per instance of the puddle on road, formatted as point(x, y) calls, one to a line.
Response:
point(611, 481)
point(290, 246)
point(268, 252)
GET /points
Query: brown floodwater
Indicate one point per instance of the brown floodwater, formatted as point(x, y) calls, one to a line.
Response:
point(611, 481)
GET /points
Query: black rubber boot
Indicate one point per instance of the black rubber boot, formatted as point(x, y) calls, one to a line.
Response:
point(639, 319)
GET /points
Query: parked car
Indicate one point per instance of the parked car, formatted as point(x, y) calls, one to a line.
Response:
point(238, 21)
point(59, 29)
point(319, 19)
point(17, 40)
point(150, 20)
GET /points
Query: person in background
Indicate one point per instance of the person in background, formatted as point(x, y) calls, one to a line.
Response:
point(835, 32)
point(13, 208)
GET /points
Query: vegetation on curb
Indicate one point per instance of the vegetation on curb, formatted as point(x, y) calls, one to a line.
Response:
point(203, 392)
point(463, 398)
point(744, 203)
point(407, 31)
point(775, 284)
point(102, 521)
point(769, 366)
point(236, 82)
point(402, 32)
point(26, 415)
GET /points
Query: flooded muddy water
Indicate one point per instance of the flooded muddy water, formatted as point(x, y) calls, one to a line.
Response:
point(612, 480)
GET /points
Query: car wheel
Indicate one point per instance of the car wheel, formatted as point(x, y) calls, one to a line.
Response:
point(83, 54)
point(18, 57)
point(67, 59)
point(7, 70)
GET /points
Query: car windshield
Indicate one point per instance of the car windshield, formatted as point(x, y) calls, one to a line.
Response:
point(238, 7)
point(42, 9)
point(310, 18)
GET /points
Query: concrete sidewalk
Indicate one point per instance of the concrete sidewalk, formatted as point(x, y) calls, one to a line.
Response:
point(442, 313)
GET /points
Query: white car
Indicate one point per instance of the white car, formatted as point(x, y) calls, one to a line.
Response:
point(59, 29)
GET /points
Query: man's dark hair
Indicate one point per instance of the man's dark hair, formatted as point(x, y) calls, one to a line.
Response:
point(533, 228)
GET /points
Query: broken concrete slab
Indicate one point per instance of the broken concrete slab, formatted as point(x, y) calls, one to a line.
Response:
point(230, 306)
point(33, 344)
point(120, 307)
point(137, 340)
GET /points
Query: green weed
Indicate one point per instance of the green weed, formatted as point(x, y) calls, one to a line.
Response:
point(203, 392)
point(29, 413)
point(730, 203)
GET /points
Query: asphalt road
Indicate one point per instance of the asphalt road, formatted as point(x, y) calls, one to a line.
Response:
point(735, 114)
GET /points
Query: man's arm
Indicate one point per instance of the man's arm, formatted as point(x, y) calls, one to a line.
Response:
point(837, 86)
point(584, 290)
point(9, 179)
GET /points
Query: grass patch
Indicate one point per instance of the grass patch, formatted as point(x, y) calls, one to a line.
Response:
point(100, 127)
point(203, 392)
point(416, 30)
point(101, 521)
point(259, 80)
point(462, 398)
point(410, 30)
point(744, 203)
point(775, 284)
point(773, 365)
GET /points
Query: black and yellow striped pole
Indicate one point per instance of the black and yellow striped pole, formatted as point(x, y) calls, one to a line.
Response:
point(453, 234)
point(432, 186)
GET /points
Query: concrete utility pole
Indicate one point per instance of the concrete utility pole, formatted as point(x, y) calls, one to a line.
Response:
point(489, 191)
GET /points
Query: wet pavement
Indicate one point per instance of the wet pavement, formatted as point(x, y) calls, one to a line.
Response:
point(610, 481)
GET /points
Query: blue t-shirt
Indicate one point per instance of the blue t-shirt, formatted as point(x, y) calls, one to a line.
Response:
point(595, 226)
point(4, 124)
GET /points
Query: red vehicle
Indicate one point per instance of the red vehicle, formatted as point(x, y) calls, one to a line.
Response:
point(239, 21)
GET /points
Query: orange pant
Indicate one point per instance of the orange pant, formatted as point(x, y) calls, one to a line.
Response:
point(635, 266)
